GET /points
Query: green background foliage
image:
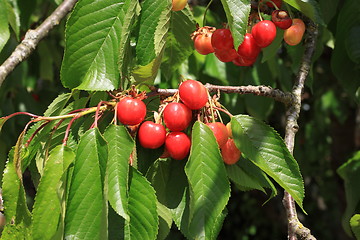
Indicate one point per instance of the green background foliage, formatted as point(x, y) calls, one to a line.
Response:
point(106, 45)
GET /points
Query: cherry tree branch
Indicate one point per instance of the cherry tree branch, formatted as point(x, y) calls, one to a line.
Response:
point(295, 228)
point(33, 37)
point(276, 94)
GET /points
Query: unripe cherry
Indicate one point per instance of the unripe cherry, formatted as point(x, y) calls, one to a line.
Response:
point(293, 35)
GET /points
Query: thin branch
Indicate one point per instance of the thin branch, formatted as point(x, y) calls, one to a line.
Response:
point(276, 94)
point(33, 37)
point(295, 228)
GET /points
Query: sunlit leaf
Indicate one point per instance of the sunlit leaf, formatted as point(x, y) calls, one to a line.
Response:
point(93, 33)
point(237, 13)
point(4, 26)
point(121, 145)
point(143, 222)
point(47, 206)
point(310, 8)
point(355, 225)
point(86, 216)
point(209, 185)
point(266, 149)
point(179, 45)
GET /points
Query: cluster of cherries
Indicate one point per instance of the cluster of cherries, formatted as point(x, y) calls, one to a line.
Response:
point(174, 118)
point(220, 41)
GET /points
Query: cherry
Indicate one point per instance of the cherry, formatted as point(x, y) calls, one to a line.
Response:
point(193, 94)
point(178, 5)
point(202, 43)
point(281, 19)
point(177, 116)
point(151, 135)
point(220, 131)
point(294, 34)
point(277, 3)
point(131, 111)
point(226, 55)
point(230, 153)
point(222, 39)
point(248, 48)
point(264, 32)
point(241, 61)
point(178, 145)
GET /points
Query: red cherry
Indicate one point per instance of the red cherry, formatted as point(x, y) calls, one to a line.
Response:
point(230, 153)
point(222, 39)
point(131, 111)
point(202, 44)
point(151, 135)
point(177, 116)
point(264, 32)
point(293, 35)
point(281, 19)
point(245, 62)
point(248, 48)
point(277, 3)
point(193, 94)
point(178, 5)
point(178, 145)
point(220, 131)
point(226, 55)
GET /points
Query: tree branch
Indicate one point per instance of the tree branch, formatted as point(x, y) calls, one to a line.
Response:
point(295, 228)
point(276, 94)
point(33, 37)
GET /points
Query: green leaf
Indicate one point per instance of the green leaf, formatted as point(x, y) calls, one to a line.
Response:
point(179, 45)
point(309, 8)
point(47, 206)
point(342, 66)
point(267, 150)
point(13, 15)
point(129, 13)
point(93, 33)
point(14, 196)
point(154, 25)
point(352, 45)
point(209, 185)
point(165, 221)
point(4, 26)
point(18, 231)
point(121, 145)
point(145, 75)
point(86, 214)
point(270, 51)
point(237, 13)
point(143, 222)
point(350, 173)
point(355, 225)
point(2, 122)
point(247, 175)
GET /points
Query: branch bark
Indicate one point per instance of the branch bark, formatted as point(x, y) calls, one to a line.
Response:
point(265, 91)
point(295, 228)
point(33, 37)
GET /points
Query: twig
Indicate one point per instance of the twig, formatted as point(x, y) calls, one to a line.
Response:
point(278, 95)
point(295, 228)
point(33, 37)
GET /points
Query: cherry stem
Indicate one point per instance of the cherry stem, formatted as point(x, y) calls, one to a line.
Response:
point(95, 124)
point(206, 9)
point(36, 131)
point(224, 111)
point(67, 132)
point(275, 6)
point(21, 113)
